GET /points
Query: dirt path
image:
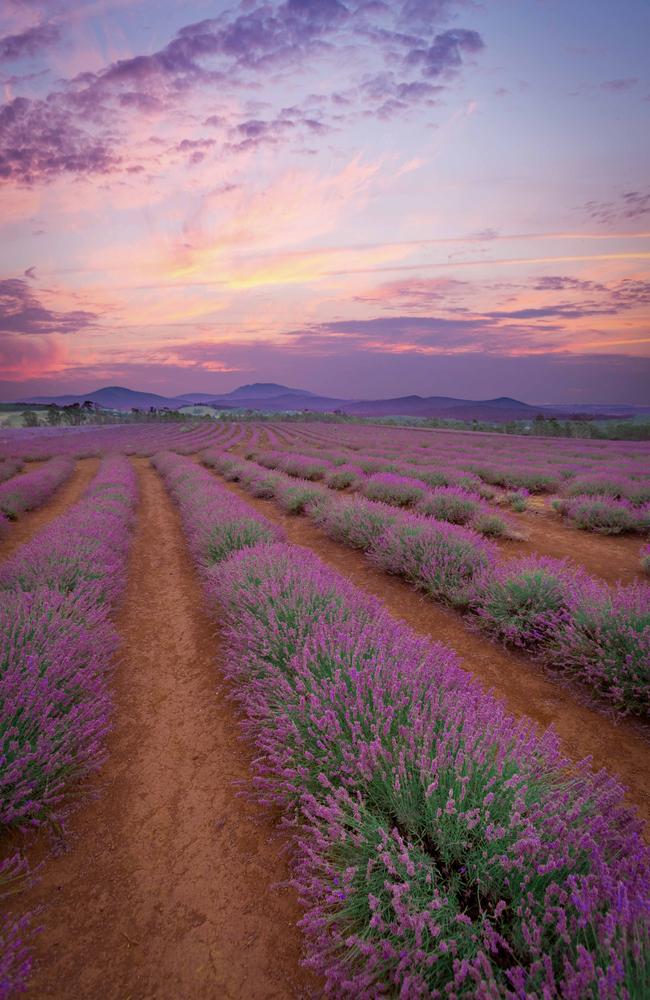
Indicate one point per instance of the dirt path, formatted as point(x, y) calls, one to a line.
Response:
point(31, 522)
point(619, 746)
point(168, 890)
point(613, 558)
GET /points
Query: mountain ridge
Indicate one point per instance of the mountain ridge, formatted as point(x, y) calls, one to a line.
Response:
point(272, 396)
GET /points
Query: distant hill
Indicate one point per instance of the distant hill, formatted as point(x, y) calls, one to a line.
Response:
point(112, 397)
point(270, 396)
point(503, 408)
point(265, 390)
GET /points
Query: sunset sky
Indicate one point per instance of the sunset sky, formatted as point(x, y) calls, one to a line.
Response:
point(362, 199)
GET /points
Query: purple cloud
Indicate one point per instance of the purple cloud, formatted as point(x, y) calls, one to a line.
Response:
point(630, 293)
point(28, 43)
point(561, 311)
point(607, 300)
point(40, 139)
point(146, 103)
point(421, 14)
point(446, 52)
point(21, 312)
point(188, 144)
point(557, 283)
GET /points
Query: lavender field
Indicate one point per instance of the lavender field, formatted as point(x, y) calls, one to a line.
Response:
point(369, 707)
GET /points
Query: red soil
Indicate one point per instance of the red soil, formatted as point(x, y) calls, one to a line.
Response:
point(613, 558)
point(169, 888)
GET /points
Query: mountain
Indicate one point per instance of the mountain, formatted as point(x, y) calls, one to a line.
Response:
point(257, 392)
point(265, 390)
point(192, 397)
point(503, 408)
point(292, 400)
point(272, 397)
point(113, 397)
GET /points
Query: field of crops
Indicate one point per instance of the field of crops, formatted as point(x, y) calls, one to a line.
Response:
point(302, 709)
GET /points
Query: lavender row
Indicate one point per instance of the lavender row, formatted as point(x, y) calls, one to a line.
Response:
point(607, 504)
point(618, 470)
point(15, 959)
point(547, 608)
point(603, 514)
point(215, 521)
point(56, 648)
point(92, 440)
point(10, 467)
point(33, 488)
point(441, 847)
point(431, 494)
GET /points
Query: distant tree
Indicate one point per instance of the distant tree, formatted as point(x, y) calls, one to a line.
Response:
point(30, 419)
point(73, 413)
point(54, 415)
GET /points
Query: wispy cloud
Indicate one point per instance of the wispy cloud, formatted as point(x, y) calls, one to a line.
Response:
point(631, 205)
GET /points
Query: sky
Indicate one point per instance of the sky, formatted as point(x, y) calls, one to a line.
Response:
point(356, 197)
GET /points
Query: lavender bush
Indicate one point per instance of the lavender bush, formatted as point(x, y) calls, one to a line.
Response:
point(297, 496)
point(305, 467)
point(573, 623)
point(356, 522)
point(15, 958)
point(617, 487)
point(56, 646)
point(606, 642)
point(343, 476)
point(442, 848)
point(388, 487)
point(449, 504)
point(603, 515)
point(30, 490)
point(217, 522)
point(56, 649)
point(532, 480)
point(518, 500)
point(262, 486)
point(493, 525)
point(85, 549)
point(10, 467)
point(455, 565)
point(526, 601)
point(442, 559)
